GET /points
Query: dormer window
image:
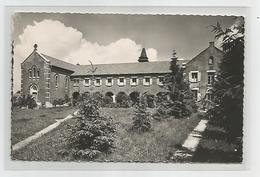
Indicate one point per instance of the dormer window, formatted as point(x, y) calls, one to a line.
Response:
point(211, 60)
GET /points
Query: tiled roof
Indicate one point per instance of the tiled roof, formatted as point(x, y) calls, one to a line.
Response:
point(59, 63)
point(180, 62)
point(159, 67)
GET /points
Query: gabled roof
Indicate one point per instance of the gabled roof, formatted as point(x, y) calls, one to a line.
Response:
point(197, 56)
point(59, 63)
point(159, 67)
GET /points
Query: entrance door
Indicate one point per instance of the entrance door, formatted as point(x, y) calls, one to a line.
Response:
point(34, 92)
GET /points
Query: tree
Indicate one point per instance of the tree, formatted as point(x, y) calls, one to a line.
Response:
point(229, 86)
point(141, 119)
point(180, 102)
point(92, 134)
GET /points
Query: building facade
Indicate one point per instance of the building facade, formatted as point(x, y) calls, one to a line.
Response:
point(201, 71)
point(48, 78)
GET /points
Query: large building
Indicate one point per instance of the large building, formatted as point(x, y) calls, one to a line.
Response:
point(48, 78)
point(201, 71)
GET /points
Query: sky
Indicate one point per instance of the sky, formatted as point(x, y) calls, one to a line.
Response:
point(110, 38)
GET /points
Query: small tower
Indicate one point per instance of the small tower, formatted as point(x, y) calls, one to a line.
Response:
point(143, 57)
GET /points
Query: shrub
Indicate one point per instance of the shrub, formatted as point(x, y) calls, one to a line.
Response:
point(93, 134)
point(108, 101)
point(122, 100)
point(31, 103)
point(150, 101)
point(141, 119)
point(58, 101)
point(66, 98)
point(24, 101)
point(99, 98)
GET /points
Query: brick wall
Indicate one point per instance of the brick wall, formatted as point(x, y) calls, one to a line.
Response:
point(154, 88)
point(201, 63)
point(33, 61)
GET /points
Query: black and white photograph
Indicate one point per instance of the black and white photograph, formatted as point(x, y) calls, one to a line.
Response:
point(147, 88)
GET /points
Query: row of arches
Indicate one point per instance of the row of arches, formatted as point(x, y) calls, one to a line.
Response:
point(133, 98)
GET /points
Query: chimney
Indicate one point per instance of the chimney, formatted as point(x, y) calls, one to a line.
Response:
point(143, 57)
point(211, 44)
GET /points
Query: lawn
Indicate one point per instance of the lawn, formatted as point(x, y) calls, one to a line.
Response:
point(152, 146)
point(26, 122)
point(216, 147)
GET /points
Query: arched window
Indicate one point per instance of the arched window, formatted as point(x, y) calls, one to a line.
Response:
point(38, 73)
point(211, 60)
point(56, 77)
point(30, 73)
point(34, 72)
point(66, 82)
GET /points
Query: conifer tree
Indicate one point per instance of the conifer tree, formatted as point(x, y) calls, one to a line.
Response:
point(180, 102)
point(141, 119)
point(228, 88)
point(93, 133)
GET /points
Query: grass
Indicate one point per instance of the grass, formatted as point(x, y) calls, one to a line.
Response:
point(152, 146)
point(26, 122)
point(216, 147)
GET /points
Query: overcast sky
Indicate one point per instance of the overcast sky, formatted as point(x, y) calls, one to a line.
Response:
point(77, 38)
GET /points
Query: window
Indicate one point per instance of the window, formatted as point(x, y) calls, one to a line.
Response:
point(98, 82)
point(195, 93)
point(134, 81)
point(66, 82)
point(56, 77)
point(211, 76)
point(147, 80)
point(38, 74)
point(211, 60)
point(194, 76)
point(121, 81)
point(109, 81)
point(34, 72)
point(87, 82)
point(76, 82)
point(30, 73)
point(160, 80)
point(209, 96)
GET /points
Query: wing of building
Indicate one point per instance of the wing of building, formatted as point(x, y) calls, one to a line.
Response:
point(201, 70)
